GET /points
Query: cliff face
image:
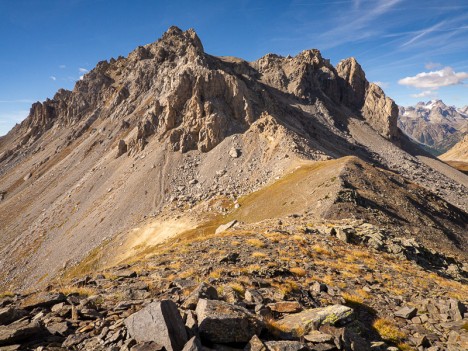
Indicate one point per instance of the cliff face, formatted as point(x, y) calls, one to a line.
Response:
point(378, 110)
point(173, 91)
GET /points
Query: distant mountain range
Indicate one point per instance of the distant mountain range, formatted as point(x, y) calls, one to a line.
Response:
point(436, 126)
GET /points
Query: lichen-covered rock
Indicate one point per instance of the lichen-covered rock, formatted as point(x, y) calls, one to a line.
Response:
point(312, 319)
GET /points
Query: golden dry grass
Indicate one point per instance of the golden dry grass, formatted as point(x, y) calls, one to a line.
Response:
point(239, 288)
point(388, 330)
point(298, 271)
point(255, 242)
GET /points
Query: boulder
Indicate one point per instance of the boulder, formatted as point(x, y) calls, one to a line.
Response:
point(204, 291)
point(406, 312)
point(311, 319)
point(234, 153)
point(43, 299)
point(224, 227)
point(317, 288)
point(21, 331)
point(122, 148)
point(10, 314)
point(221, 322)
point(159, 322)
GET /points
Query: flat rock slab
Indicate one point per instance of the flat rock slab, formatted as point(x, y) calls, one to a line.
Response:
point(224, 227)
point(285, 346)
point(406, 312)
point(20, 331)
point(313, 318)
point(285, 306)
point(318, 337)
point(10, 314)
point(221, 322)
point(43, 299)
point(159, 322)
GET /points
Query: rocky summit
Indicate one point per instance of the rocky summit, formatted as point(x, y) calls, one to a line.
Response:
point(176, 200)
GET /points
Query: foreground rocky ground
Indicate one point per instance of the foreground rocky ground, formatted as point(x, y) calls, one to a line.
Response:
point(275, 285)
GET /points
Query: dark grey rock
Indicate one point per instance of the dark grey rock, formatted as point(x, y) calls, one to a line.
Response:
point(221, 322)
point(60, 328)
point(159, 322)
point(10, 314)
point(204, 291)
point(122, 148)
point(21, 331)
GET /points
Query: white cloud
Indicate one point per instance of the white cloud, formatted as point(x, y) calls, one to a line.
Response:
point(81, 77)
point(425, 93)
point(432, 65)
point(435, 79)
point(83, 70)
point(383, 85)
point(62, 66)
point(53, 78)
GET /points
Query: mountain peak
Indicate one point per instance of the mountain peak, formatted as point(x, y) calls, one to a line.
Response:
point(176, 36)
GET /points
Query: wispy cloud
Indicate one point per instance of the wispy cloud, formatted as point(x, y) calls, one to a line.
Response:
point(432, 65)
point(424, 94)
point(435, 79)
point(62, 66)
point(54, 78)
point(423, 33)
point(83, 70)
point(361, 27)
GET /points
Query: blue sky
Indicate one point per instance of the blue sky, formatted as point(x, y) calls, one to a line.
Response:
point(416, 49)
